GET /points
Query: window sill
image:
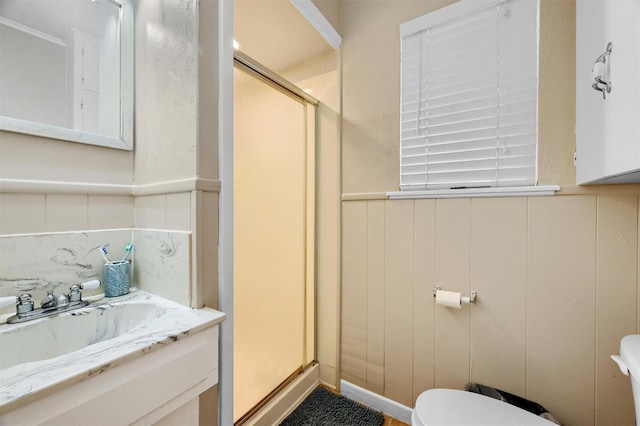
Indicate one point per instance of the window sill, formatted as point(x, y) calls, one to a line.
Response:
point(514, 191)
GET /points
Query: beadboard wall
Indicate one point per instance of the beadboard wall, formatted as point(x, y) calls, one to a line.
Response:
point(557, 283)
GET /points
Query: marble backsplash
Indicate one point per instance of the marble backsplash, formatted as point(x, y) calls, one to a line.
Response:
point(162, 264)
point(37, 263)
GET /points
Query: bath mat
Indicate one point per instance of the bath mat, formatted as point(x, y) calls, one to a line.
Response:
point(325, 408)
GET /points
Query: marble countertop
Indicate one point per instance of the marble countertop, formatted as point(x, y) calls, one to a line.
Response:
point(21, 383)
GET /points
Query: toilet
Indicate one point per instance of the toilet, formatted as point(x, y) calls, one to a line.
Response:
point(449, 407)
point(629, 363)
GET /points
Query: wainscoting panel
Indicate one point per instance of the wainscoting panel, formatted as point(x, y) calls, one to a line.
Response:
point(498, 274)
point(398, 293)
point(22, 213)
point(561, 305)
point(557, 283)
point(110, 211)
point(353, 358)
point(616, 294)
point(452, 274)
point(424, 249)
point(375, 296)
point(66, 212)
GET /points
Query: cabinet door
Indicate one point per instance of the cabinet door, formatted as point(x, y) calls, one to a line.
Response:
point(608, 130)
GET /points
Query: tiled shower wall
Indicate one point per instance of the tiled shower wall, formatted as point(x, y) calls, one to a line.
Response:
point(557, 283)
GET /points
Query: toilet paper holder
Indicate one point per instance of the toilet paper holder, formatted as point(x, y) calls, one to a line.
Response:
point(463, 299)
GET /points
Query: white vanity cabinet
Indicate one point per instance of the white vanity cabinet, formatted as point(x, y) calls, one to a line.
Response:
point(143, 391)
point(608, 125)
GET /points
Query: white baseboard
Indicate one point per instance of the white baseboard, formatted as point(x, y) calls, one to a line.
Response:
point(376, 402)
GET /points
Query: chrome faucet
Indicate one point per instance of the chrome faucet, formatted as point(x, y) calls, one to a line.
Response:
point(49, 301)
point(50, 305)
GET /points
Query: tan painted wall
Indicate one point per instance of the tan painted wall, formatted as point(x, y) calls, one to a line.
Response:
point(328, 232)
point(166, 99)
point(321, 77)
point(557, 93)
point(178, 40)
point(557, 277)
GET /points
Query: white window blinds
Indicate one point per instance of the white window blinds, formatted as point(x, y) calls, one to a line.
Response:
point(469, 96)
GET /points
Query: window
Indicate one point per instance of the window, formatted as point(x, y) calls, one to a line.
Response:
point(469, 96)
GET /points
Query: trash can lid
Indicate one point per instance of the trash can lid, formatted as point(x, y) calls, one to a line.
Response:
point(630, 353)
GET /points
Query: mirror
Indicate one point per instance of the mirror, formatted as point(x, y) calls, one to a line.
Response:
point(66, 70)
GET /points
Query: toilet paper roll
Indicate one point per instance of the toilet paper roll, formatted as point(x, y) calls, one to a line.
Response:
point(450, 299)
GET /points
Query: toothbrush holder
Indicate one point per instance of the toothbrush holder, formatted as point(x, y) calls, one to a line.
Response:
point(116, 279)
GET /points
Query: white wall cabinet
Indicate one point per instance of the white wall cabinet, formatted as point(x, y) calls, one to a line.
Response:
point(608, 126)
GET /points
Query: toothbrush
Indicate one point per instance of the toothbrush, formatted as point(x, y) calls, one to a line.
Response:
point(127, 249)
point(104, 252)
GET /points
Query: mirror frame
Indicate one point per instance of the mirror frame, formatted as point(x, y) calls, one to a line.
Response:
point(125, 139)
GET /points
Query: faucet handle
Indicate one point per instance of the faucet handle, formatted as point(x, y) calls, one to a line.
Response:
point(90, 285)
point(25, 303)
point(75, 295)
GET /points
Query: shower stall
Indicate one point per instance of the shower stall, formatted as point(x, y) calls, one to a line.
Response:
point(274, 235)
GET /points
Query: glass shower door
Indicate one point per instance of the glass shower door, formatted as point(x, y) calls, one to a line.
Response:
point(271, 233)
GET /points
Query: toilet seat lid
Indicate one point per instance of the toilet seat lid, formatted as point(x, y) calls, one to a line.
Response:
point(448, 407)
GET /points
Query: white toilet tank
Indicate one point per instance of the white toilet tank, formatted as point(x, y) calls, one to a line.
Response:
point(629, 363)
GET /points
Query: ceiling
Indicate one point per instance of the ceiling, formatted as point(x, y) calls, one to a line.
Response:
point(275, 34)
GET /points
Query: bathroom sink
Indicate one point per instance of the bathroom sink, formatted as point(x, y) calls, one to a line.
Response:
point(68, 332)
point(48, 356)
point(110, 360)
